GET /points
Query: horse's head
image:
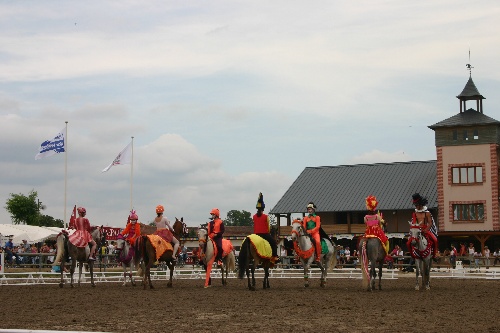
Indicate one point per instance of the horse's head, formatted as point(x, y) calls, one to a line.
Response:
point(202, 234)
point(416, 236)
point(180, 228)
point(120, 241)
point(97, 235)
point(297, 229)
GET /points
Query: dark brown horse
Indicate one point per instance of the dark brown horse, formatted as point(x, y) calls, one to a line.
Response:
point(147, 252)
point(180, 229)
point(248, 260)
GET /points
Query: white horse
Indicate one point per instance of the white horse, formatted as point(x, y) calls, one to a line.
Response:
point(207, 251)
point(65, 250)
point(421, 250)
point(126, 259)
point(306, 251)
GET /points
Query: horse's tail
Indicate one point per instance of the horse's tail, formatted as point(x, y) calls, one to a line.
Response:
point(144, 254)
point(61, 250)
point(231, 262)
point(138, 251)
point(244, 258)
point(364, 263)
point(333, 258)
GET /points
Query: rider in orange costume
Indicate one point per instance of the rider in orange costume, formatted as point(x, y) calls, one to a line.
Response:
point(312, 224)
point(374, 222)
point(215, 232)
point(422, 215)
point(82, 236)
point(261, 227)
point(133, 229)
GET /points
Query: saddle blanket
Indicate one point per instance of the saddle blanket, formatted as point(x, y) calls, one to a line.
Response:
point(160, 245)
point(324, 246)
point(227, 247)
point(261, 246)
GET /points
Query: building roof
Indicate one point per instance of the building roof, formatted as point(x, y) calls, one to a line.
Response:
point(470, 92)
point(469, 117)
point(344, 188)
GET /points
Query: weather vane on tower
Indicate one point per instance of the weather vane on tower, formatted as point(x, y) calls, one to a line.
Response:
point(469, 66)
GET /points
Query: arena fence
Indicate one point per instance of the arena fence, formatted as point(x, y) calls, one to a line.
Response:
point(32, 278)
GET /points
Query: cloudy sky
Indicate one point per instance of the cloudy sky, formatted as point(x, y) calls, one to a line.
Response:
point(226, 99)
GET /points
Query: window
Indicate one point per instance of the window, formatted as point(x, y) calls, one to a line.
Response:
point(466, 136)
point(468, 212)
point(467, 175)
point(455, 135)
point(476, 134)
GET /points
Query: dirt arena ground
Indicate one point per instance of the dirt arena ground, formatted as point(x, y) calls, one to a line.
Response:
point(457, 305)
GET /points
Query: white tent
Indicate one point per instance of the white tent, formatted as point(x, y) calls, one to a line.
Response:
point(32, 234)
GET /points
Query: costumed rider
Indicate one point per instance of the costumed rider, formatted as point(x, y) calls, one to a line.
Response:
point(82, 236)
point(215, 232)
point(132, 231)
point(374, 222)
point(165, 231)
point(312, 224)
point(424, 218)
point(262, 227)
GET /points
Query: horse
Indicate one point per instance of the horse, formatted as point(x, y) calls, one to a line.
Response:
point(147, 252)
point(126, 259)
point(372, 254)
point(65, 250)
point(207, 249)
point(305, 249)
point(249, 257)
point(421, 250)
point(180, 228)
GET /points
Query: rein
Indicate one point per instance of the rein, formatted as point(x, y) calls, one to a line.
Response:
point(301, 253)
point(417, 253)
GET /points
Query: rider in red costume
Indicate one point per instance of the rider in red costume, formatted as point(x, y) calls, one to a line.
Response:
point(215, 232)
point(82, 236)
point(262, 228)
point(374, 222)
point(312, 224)
point(423, 217)
point(133, 229)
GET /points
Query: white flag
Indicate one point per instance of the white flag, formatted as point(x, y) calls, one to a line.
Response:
point(124, 157)
point(51, 147)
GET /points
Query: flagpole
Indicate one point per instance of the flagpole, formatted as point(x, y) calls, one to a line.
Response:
point(132, 175)
point(65, 172)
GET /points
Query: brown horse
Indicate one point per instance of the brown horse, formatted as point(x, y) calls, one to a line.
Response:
point(66, 250)
point(180, 228)
point(248, 260)
point(147, 252)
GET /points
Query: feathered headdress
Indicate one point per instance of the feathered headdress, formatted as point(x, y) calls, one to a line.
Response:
point(371, 202)
point(260, 202)
point(419, 200)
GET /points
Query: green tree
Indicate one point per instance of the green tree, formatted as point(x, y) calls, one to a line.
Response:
point(26, 210)
point(238, 218)
point(23, 209)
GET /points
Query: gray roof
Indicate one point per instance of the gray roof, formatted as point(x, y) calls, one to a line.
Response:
point(470, 117)
point(344, 188)
point(470, 91)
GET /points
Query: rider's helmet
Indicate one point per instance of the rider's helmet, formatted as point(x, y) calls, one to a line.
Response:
point(133, 216)
point(159, 209)
point(215, 211)
point(81, 210)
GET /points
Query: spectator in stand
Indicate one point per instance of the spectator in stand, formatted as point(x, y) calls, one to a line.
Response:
point(45, 249)
point(25, 248)
point(400, 258)
point(347, 254)
point(477, 257)
point(496, 254)
point(486, 255)
point(355, 257)
point(52, 251)
point(33, 250)
point(453, 256)
point(393, 256)
point(472, 252)
point(9, 252)
point(103, 251)
point(463, 250)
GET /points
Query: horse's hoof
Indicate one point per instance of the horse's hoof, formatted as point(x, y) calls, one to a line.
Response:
point(169, 285)
point(209, 286)
point(417, 288)
point(93, 285)
point(61, 285)
point(306, 286)
point(133, 284)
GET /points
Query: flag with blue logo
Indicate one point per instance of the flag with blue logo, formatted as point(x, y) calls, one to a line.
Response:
point(52, 146)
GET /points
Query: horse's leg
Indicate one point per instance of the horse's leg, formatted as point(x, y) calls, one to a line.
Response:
point(209, 270)
point(428, 274)
point(380, 275)
point(80, 267)
point(91, 270)
point(124, 275)
point(131, 274)
point(417, 269)
point(171, 269)
point(72, 270)
point(253, 276)
point(265, 283)
point(306, 273)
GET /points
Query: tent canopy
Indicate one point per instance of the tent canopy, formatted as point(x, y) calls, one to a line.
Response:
point(33, 234)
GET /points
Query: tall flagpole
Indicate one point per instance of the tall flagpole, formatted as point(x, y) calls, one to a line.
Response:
point(65, 171)
point(132, 175)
